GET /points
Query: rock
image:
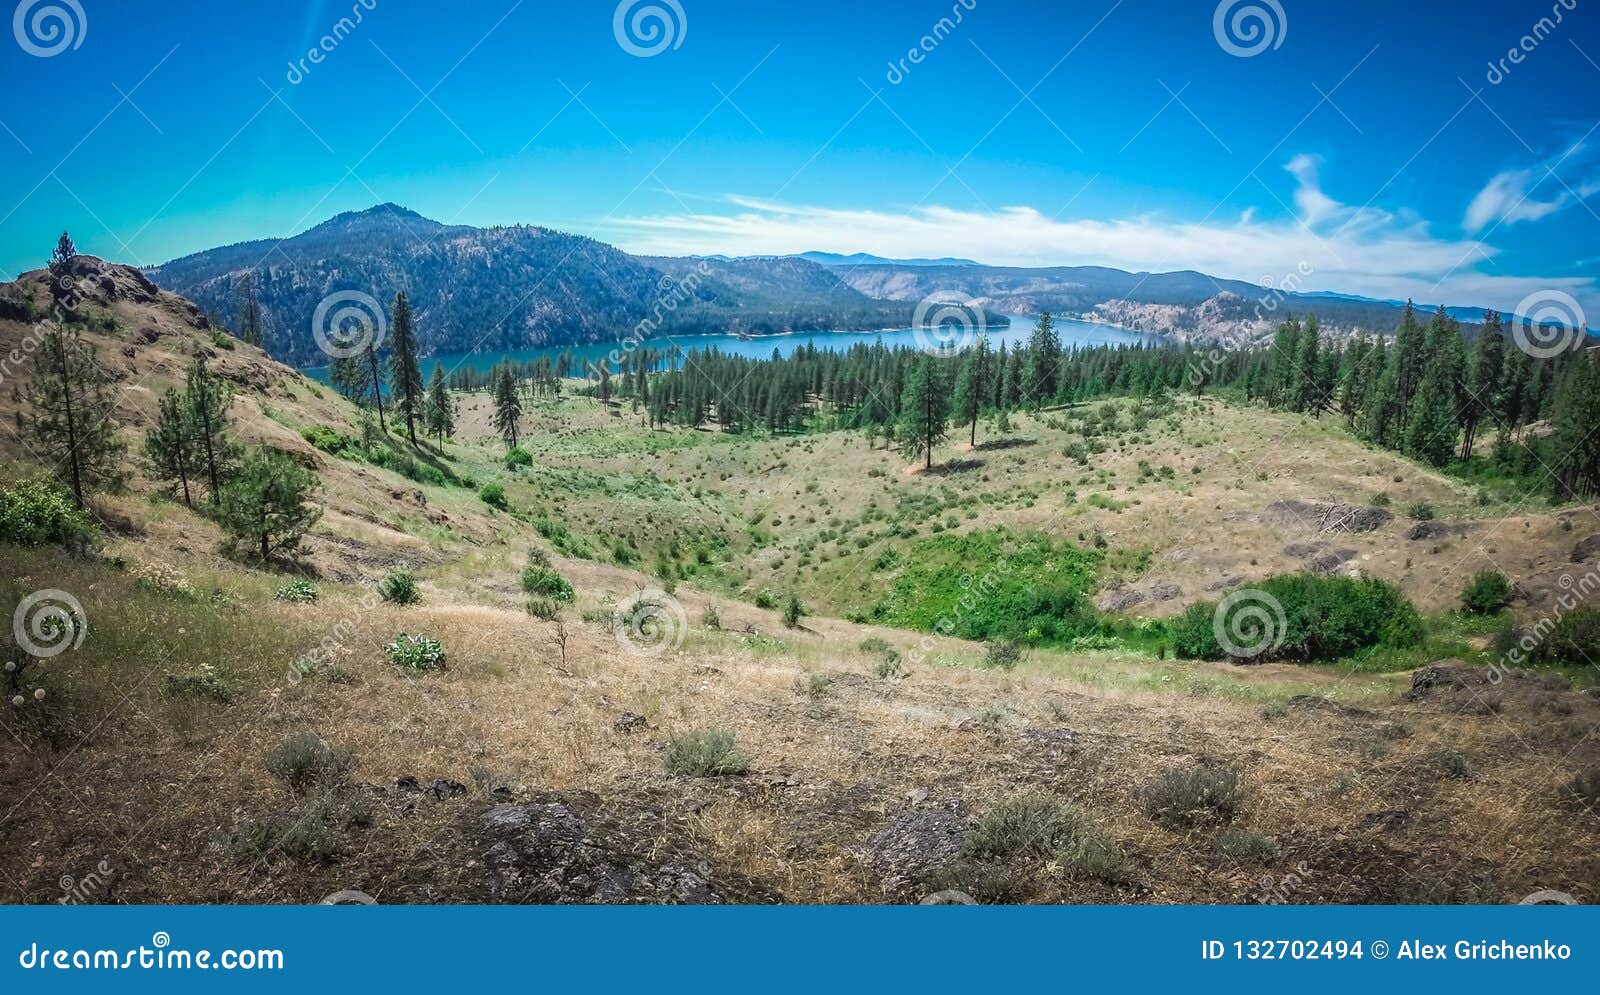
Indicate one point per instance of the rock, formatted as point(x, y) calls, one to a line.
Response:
point(1301, 550)
point(1588, 549)
point(442, 788)
point(1323, 517)
point(1439, 530)
point(1118, 600)
point(917, 844)
point(1329, 563)
point(1225, 582)
point(1452, 674)
point(408, 785)
point(1165, 591)
point(630, 722)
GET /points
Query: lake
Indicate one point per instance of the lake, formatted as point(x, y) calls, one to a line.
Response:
point(1074, 334)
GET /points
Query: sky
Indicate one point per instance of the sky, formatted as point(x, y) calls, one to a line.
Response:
point(1381, 149)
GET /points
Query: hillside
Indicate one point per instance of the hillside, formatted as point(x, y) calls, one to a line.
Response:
point(491, 289)
point(215, 739)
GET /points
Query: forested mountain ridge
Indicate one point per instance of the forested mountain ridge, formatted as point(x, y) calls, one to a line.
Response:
point(489, 289)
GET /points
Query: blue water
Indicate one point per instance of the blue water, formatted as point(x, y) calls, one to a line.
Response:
point(1073, 334)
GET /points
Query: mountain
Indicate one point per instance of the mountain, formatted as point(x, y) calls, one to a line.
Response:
point(865, 259)
point(490, 289)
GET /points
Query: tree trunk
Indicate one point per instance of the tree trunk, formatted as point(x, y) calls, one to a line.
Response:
point(377, 388)
point(72, 427)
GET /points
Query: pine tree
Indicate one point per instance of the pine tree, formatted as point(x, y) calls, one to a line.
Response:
point(66, 418)
point(1574, 442)
point(209, 398)
point(1407, 360)
point(1042, 371)
point(63, 285)
point(265, 503)
point(1306, 390)
point(1285, 355)
point(1433, 418)
point(441, 417)
point(249, 311)
point(507, 406)
point(1483, 380)
point(375, 380)
point(405, 375)
point(171, 447)
point(923, 408)
point(971, 388)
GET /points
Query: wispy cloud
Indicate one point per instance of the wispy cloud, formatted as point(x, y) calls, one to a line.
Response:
point(1509, 197)
point(1361, 250)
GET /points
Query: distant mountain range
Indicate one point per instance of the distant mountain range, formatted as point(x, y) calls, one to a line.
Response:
point(491, 289)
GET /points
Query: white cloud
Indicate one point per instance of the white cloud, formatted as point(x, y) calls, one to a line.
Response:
point(1509, 196)
point(1364, 251)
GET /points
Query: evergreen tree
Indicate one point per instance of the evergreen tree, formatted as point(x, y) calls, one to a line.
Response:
point(1285, 357)
point(923, 408)
point(66, 414)
point(63, 284)
point(171, 447)
point(405, 375)
point(1305, 389)
point(1042, 370)
point(209, 399)
point(972, 387)
point(507, 406)
point(441, 416)
point(1433, 419)
point(249, 311)
point(375, 379)
point(1408, 359)
point(264, 504)
point(1574, 441)
point(1483, 380)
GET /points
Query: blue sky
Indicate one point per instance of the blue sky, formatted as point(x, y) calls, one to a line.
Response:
point(1369, 148)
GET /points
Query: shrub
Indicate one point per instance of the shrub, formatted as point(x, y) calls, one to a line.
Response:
point(416, 652)
point(710, 617)
point(204, 683)
point(1574, 640)
point(33, 513)
point(875, 644)
point(1003, 654)
point(1322, 618)
point(1241, 844)
point(792, 610)
point(1487, 592)
point(494, 495)
point(708, 753)
point(1380, 500)
point(545, 582)
point(543, 608)
point(1453, 763)
point(399, 586)
point(519, 456)
point(812, 686)
point(1583, 791)
point(298, 591)
point(888, 667)
point(331, 440)
point(1044, 828)
point(764, 599)
point(303, 759)
point(304, 837)
point(1421, 511)
point(1185, 798)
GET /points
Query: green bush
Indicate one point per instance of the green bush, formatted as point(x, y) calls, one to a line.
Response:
point(1241, 844)
point(331, 440)
point(399, 586)
point(1487, 592)
point(547, 583)
point(708, 753)
point(33, 513)
point(494, 495)
point(543, 608)
point(299, 591)
point(889, 667)
point(519, 456)
point(1198, 796)
point(711, 618)
point(1003, 654)
point(1422, 512)
point(792, 611)
point(303, 759)
point(416, 652)
point(1044, 828)
point(1574, 640)
point(764, 599)
point(1453, 763)
point(1322, 619)
point(204, 683)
